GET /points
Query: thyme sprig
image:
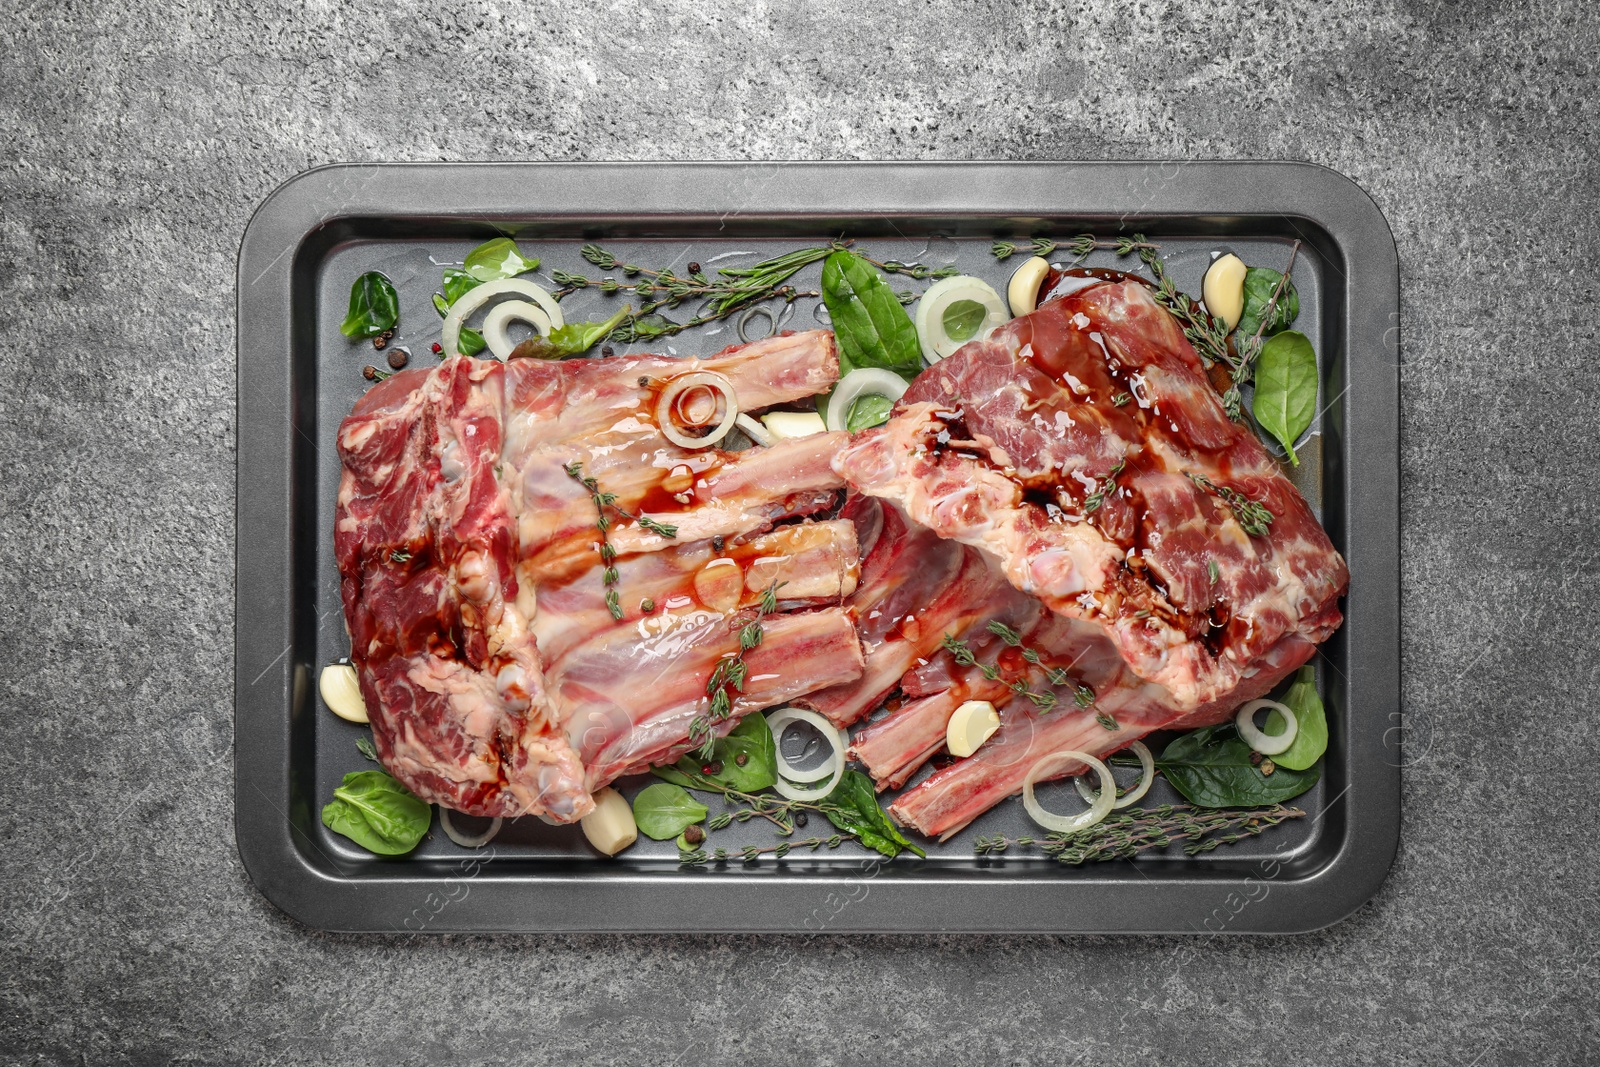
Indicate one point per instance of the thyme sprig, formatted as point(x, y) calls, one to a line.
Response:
point(700, 857)
point(732, 289)
point(1044, 700)
point(729, 675)
point(1253, 516)
point(919, 271)
point(1080, 246)
point(1208, 336)
point(608, 553)
point(1124, 835)
point(1249, 350)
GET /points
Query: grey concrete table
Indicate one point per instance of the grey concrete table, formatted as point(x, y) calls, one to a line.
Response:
point(137, 139)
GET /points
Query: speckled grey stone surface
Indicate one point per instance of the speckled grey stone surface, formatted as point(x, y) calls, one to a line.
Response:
point(137, 138)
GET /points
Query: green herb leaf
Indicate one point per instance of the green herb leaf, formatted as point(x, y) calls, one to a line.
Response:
point(1211, 767)
point(1286, 388)
point(470, 342)
point(374, 307)
point(872, 329)
point(962, 319)
point(377, 813)
point(1259, 283)
point(752, 739)
point(853, 808)
point(1312, 739)
point(869, 410)
point(664, 810)
point(570, 340)
point(496, 259)
point(457, 283)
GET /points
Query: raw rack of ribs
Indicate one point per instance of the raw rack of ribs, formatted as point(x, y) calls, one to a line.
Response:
point(1082, 454)
point(496, 679)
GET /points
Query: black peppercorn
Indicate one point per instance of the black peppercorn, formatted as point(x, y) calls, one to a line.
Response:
point(714, 767)
point(694, 835)
point(742, 758)
point(370, 373)
point(399, 358)
point(607, 351)
point(800, 818)
point(717, 542)
point(379, 342)
point(694, 268)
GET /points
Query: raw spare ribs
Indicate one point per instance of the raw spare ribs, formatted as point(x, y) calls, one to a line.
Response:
point(496, 679)
point(1072, 479)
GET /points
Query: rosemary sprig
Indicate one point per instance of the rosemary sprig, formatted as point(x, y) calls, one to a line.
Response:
point(732, 289)
point(608, 554)
point(750, 853)
point(1080, 246)
point(729, 675)
point(1124, 835)
point(1253, 516)
point(1092, 502)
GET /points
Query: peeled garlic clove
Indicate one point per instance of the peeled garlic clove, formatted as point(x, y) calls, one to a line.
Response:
point(341, 691)
point(972, 724)
point(610, 826)
point(1023, 292)
point(1223, 289)
point(794, 423)
point(719, 584)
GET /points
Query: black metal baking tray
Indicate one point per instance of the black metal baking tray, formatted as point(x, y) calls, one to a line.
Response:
point(298, 377)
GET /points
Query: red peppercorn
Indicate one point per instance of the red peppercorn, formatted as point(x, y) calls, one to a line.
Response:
point(437, 347)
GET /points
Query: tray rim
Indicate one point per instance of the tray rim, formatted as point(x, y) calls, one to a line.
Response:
point(930, 901)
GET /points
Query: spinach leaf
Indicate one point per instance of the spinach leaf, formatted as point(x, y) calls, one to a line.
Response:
point(752, 739)
point(1259, 282)
point(377, 813)
point(374, 307)
point(1211, 768)
point(870, 410)
point(853, 808)
point(1312, 739)
point(872, 329)
point(1286, 388)
point(457, 283)
point(470, 342)
point(962, 319)
point(663, 810)
point(572, 339)
point(496, 259)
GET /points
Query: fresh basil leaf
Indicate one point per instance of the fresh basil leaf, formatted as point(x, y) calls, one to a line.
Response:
point(870, 410)
point(470, 342)
point(871, 327)
point(1286, 388)
point(572, 339)
point(374, 307)
point(853, 808)
point(664, 810)
point(1211, 767)
point(1259, 283)
point(377, 813)
point(457, 283)
point(962, 319)
point(496, 259)
point(1311, 740)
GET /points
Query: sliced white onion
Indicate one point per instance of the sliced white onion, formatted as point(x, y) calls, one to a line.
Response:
point(864, 381)
point(936, 341)
point(504, 314)
point(1067, 824)
point(719, 385)
point(473, 299)
point(462, 839)
point(832, 768)
point(1266, 744)
point(1147, 775)
point(755, 431)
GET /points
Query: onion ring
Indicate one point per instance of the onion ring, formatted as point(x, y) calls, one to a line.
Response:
point(473, 299)
point(1068, 824)
point(832, 768)
point(858, 383)
point(462, 839)
point(745, 318)
point(755, 431)
point(504, 314)
point(1266, 744)
point(1147, 775)
point(666, 402)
